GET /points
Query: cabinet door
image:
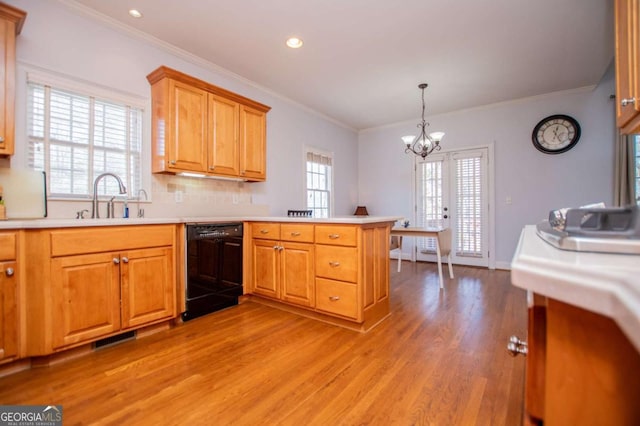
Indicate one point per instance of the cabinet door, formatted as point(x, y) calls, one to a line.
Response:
point(85, 292)
point(187, 149)
point(224, 152)
point(297, 273)
point(627, 60)
point(253, 144)
point(148, 284)
point(265, 270)
point(8, 310)
point(7, 79)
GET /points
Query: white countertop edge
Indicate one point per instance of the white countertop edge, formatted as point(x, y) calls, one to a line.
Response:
point(73, 223)
point(612, 292)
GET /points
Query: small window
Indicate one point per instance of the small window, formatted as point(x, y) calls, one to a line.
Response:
point(74, 137)
point(319, 184)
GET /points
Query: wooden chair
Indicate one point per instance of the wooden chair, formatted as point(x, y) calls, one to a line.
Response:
point(396, 244)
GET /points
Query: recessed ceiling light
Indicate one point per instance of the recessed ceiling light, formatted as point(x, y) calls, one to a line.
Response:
point(294, 42)
point(135, 13)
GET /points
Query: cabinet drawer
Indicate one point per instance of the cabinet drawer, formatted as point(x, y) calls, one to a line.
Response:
point(336, 235)
point(296, 232)
point(66, 242)
point(265, 230)
point(8, 246)
point(337, 298)
point(338, 263)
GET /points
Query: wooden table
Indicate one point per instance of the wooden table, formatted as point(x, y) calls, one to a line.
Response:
point(443, 243)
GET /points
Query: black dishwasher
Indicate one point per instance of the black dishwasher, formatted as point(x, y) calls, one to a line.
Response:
point(214, 267)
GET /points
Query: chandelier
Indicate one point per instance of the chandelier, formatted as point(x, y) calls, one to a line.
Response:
point(423, 144)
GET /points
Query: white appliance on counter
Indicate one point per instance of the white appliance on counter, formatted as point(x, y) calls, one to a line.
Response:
point(25, 195)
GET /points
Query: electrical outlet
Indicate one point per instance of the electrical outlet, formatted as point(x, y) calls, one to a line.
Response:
point(235, 199)
point(178, 195)
point(508, 200)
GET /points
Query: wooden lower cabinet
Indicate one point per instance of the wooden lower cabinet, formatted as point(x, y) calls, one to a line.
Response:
point(85, 292)
point(9, 282)
point(8, 311)
point(297, 273)
point(147, 286)
point(283, 270)
point(338, 273)
point(581, 368)
point(89, 283)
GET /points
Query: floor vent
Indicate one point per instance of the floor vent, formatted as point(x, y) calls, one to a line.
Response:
point(114, 339)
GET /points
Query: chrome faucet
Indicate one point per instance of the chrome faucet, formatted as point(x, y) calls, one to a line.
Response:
point(146, 197)
point(95, 213)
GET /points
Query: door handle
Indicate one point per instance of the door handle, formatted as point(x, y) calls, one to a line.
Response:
point(445, 216)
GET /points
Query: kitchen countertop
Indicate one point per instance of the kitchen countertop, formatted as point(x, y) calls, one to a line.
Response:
point(73, 223)
point(607, 284)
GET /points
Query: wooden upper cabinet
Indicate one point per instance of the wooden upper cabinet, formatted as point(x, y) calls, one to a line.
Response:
point(187, 141)
point(627, 35)
point(11, 20)
point(224, 155)
point(253, 143)
point(198, 127)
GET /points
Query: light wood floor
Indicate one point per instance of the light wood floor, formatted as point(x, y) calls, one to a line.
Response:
point(439, 359)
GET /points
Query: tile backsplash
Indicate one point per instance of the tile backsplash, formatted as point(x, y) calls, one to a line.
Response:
point(177, 196)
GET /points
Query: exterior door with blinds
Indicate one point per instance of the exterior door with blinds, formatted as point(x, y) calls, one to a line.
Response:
point(452, 192)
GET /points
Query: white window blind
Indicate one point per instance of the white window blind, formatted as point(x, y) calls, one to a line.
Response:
point(469, 206)
point(430, 201)
point(319, 183)
point(75, 137)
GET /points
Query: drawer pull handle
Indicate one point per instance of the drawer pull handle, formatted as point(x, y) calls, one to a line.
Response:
point(264, 231)
point(334, 298)
point(334, 236)
point(629, 101)
point(9, 272)
point(334, 264)
point(295, 234)
point(516, 346)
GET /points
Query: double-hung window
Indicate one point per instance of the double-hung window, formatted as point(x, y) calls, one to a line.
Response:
point(75, 133)
point(319, 183)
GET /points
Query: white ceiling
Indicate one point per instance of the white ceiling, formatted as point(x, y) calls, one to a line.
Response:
point(362, 60)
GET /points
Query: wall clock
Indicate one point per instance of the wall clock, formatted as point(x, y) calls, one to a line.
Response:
point(556, 134)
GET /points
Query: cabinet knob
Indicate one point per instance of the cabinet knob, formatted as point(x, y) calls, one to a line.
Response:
point(9, 272)
point(334, 298)
point(125, 259)
point(516, 346)
point(334, 236)
point(172, 162)
point(627, 101)
point(116, 261)
point(334, 264)
point(212, 167)
point(1, 139)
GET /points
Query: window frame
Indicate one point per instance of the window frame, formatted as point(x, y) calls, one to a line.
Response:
point(31, 74)
point(330, 155)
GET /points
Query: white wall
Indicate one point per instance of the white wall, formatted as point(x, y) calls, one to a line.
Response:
point(536, 182)
point(60, 39)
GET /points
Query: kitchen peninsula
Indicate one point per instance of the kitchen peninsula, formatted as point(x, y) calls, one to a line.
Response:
point(129, 275)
